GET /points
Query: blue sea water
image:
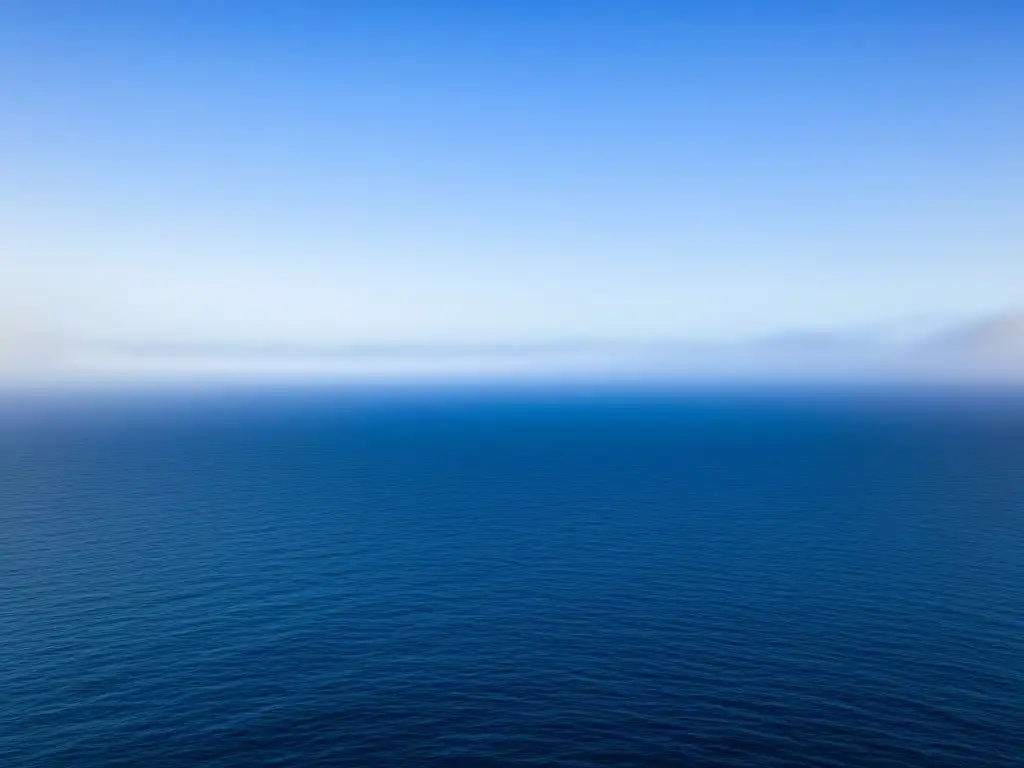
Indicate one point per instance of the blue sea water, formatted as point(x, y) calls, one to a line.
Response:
point(317, 578)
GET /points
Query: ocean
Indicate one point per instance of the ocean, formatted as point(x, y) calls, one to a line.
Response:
point(331, 577)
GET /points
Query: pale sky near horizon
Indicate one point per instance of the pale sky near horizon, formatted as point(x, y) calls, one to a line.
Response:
point(432, 172)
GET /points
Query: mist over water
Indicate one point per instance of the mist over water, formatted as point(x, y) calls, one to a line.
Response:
point(975, 353)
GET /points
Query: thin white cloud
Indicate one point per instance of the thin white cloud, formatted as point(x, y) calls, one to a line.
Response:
point(1001, 337)
point(983, 349)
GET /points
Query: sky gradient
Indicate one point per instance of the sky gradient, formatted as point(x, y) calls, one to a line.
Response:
point(499, 172)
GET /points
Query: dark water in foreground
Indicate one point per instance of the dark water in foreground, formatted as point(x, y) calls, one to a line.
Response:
point(316, 579)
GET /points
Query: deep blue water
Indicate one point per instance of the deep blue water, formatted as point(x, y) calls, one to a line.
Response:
point(316, 578)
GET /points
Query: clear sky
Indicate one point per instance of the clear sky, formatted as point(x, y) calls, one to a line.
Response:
point(490, 171)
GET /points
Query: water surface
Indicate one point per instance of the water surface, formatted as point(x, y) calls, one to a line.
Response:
point(327, 578)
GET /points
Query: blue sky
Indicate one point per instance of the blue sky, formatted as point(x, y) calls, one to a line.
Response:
point(434, 172)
